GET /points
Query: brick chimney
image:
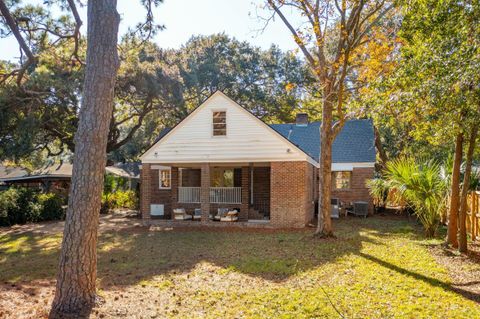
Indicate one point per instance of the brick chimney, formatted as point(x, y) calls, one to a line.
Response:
point(301, 119)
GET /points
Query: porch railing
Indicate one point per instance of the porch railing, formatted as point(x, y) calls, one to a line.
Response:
point(226, 195)
point(189, 194)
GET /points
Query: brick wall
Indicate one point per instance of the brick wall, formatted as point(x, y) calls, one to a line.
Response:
point(358, 191)
point(291, 194)
point(163, 196)
point(261, 188)
point(145, 195)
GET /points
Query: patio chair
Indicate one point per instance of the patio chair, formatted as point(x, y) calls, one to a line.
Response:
point(221, 212)
point(230, 216)
point(335, 204)
point(359, 209)
point(197, 214)
point(180, 214)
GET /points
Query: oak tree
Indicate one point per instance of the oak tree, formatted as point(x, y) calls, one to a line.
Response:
point(329, 35)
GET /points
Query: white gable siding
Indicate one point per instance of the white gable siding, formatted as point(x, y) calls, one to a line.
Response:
point(247, 139)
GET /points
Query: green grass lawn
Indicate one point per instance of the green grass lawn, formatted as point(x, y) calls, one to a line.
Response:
point(377, 268)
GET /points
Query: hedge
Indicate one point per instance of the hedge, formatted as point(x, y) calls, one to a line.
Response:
point(22, 205)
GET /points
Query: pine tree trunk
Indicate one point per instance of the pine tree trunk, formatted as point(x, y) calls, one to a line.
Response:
point(462, 235)
point(324, 226)
point(455, 193)
point(75, 290)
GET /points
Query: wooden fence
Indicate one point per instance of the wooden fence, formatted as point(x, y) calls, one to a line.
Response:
point(473, 215)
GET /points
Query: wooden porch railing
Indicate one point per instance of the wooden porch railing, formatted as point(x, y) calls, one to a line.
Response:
point(226, 195)
point(189, 194)
point(473, 214)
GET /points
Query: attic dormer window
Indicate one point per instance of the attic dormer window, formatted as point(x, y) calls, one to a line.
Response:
point(219, 123)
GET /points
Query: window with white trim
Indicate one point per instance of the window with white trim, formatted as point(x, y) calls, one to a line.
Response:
point(341, 179)
point(164, 178)
point(219, 123)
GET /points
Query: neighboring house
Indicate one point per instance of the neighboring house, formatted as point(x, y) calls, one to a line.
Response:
point(10, 172)
point(222, 156)
point(57, 176)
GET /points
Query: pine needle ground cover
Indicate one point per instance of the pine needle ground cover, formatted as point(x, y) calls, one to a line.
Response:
point(379, 267)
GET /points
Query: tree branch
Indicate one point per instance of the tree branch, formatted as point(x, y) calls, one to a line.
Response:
point(21, 41)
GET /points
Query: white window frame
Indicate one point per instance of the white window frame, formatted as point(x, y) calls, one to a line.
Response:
point(226, 123)
point(160, 170)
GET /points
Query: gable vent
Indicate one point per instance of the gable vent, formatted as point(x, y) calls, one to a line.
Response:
point(301, 119)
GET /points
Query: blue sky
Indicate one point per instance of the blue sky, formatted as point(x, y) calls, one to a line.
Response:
point(184, 18)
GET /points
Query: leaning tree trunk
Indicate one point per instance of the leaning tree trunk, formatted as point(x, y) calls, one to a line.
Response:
point(324, 226)
point(455, 193)
point(75, 290)
point(462, 234)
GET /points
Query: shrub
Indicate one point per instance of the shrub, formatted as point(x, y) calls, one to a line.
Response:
point(119, 199)
point(22, 205)
point(108, 203)
point(51, 205)
point(17, 206)
point(421, 185)
point(378, 188)
point(126, 199)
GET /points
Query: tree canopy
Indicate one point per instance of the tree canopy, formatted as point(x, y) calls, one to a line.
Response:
point(154, 88)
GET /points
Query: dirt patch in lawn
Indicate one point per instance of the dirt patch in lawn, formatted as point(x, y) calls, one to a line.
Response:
point(118, 220)
point(464, 269)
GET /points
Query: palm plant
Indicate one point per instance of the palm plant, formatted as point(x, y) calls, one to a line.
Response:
point(421, 185)
point(378, 188)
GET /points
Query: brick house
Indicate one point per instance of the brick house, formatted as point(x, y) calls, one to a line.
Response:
point(222, 156)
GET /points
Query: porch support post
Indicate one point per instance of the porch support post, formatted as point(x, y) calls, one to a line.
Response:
point(205, 192)
point(174, 188)
point(145, 190)
point(245, 193)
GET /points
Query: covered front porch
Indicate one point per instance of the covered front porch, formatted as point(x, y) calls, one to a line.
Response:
point(210, 191)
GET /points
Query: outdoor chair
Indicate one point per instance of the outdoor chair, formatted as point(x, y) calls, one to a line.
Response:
point(221, 212)
point(197, 214)
point(335, 212)
point(359, 209)
point(230, 216)
point(180, 214)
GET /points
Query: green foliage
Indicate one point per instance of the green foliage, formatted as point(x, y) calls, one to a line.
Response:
point(420, 184)
point(22, 205)
point(119, 199)
point(17, 206)
point(51, 204)
point(155, 88)
point(113, 183)
point(379, 188)
point(432, 94)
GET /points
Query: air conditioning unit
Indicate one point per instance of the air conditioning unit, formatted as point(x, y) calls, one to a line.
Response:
point(157, 210)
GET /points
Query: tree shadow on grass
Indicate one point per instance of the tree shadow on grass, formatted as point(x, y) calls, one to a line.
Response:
point(131, 256)
point(431, 281)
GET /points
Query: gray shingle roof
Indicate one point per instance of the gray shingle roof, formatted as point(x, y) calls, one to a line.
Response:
point(354, 144)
